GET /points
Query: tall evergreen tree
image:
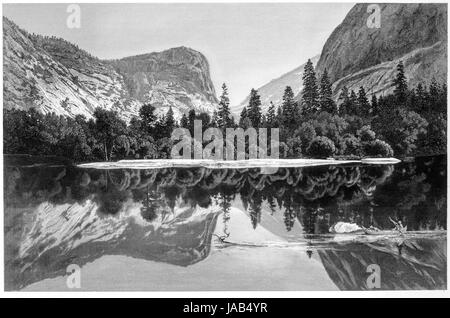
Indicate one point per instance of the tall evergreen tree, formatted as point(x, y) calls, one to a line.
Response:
point(254, 108)
point(326, 101)
point(169, 122)
point(191, 117)
point(353, 104)
point(363, 108)
point(279, 116)
point(215, 119)
point(184, 121)
point(374, 105)
point(147, 117)
point(223, 115)
point(421, 96)
point(401, 87)
point(344, 101)
point(289, 109)
point(271, 116)
point(310, 97)
point(433, 94)
point(243, 117)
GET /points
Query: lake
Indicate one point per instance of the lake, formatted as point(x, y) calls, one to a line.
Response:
point(200, 229)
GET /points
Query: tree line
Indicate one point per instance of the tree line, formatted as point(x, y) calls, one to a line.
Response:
point(313, 125)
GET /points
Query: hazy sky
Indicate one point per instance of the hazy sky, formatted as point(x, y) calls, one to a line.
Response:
point(246, 45)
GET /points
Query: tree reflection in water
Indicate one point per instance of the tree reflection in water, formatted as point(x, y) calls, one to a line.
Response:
point(178, 209)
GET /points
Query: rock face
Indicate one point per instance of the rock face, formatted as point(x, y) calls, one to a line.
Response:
point(273, 91)
point(54, 75)
point(416, 263)
point(178, 77)
point(356, 55)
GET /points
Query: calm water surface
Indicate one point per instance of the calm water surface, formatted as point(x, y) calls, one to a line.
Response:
point(225, 229)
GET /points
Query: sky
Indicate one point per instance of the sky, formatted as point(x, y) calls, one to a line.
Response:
point(246, 45)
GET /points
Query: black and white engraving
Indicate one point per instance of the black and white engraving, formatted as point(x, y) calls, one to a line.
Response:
point(225, 146)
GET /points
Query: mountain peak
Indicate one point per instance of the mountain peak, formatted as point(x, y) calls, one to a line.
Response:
point(54, 75)
point(356, 55)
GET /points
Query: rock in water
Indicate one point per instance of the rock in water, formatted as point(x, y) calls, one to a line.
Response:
point(345, 227)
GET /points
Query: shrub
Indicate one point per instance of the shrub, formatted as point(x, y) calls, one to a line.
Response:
point(352, 145)
point(294, 147)
point(321, 147)
point(306, 133)
point(378, 148)
point(366, 134)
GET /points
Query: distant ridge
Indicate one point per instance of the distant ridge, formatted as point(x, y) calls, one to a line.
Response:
point(53, 75)
point(273, 91)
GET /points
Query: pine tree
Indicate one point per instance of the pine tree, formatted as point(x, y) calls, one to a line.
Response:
point(374, 103)
point(401, 87)
point(191, 118)
point(433, 92)
point(271, 116)
point(263, 121)
point(353, 104)
point(243, 117)
point(363, 108)
point(310, 97)
point(254, 108)
point(215, 119)
point(223, 119)
point(326, 101)
point(288, 106)
point(279, 116)
point(170, 120)
point(184, 122)
point(420, 98)
point(344, 101)
point(148, 117)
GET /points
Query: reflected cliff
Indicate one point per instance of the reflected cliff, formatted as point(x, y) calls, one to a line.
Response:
point(59, 215)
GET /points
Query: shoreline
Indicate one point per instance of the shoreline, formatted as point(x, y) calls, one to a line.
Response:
point(230, 164)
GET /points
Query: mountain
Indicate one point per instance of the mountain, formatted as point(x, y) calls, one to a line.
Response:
point(273, 91)
point(178, 77)
point(412, 263)
point(54, 75)
point(356, 55)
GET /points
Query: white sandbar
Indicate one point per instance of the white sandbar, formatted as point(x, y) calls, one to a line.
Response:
point(230, 164)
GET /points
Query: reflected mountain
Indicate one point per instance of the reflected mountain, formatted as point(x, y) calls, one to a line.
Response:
point(59, 215)
point(418, 263)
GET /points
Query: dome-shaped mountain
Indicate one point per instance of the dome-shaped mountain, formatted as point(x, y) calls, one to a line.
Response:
point(175, 77)
point(358, 55)
point(54, 75)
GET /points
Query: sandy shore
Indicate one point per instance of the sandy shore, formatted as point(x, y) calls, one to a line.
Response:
point(236, 164)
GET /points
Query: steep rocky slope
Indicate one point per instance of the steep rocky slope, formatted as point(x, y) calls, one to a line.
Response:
point(54, 75)
point(273, 91)
point(356, 55)
point(178, 77)
point(413, 263)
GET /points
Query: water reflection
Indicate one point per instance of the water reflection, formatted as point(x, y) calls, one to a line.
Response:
point(55, 216)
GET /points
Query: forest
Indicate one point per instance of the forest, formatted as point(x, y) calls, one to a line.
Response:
point(411, 121)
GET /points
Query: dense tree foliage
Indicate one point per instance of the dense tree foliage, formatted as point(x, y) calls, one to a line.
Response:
point(362, 124)
point(407, 122)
